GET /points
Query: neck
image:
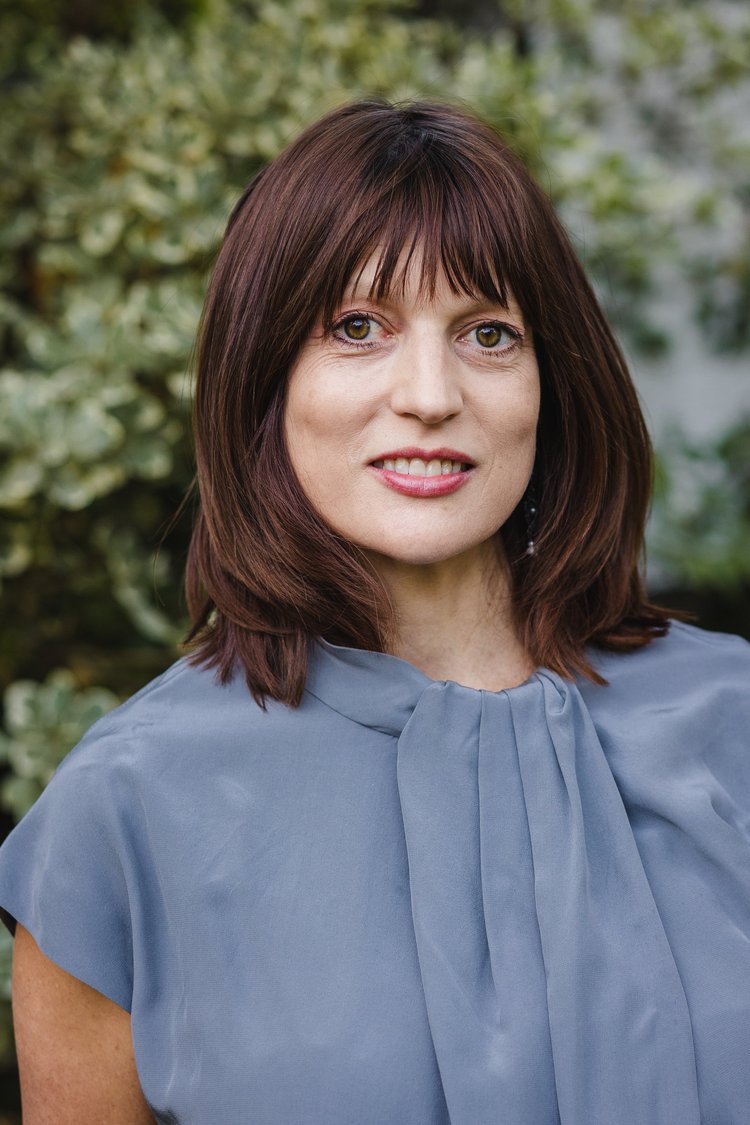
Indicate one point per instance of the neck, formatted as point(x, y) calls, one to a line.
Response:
point(454, 619)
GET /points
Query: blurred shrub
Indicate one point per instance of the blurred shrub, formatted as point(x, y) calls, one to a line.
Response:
point(34, 27)
point(701, 525)
point(42, 722)
point(124, 150)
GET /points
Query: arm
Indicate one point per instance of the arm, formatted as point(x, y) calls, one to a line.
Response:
point(75, 1050)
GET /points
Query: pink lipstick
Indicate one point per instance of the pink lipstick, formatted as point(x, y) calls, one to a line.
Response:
point(453, 472)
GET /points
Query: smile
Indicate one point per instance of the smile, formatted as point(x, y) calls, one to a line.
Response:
point(416, 467)
point(416, 472)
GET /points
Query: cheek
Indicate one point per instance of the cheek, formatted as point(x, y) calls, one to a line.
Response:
point(324, 413)
point(306, 416)
point(320, 430)
point(315, 430)
point(515, 421)
point(298, 437)
point(529, 405)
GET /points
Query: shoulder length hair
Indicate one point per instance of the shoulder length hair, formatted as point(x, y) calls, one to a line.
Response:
point(265, 573)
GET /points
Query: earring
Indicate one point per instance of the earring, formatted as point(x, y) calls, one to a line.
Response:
point(530, 513)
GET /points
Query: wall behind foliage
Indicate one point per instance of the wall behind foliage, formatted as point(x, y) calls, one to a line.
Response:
point(126, 135)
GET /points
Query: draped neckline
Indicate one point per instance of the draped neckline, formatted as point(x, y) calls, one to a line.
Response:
point(550, 984)
point(381, 691)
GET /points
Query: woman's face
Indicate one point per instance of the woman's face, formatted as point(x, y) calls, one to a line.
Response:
point(411, 426)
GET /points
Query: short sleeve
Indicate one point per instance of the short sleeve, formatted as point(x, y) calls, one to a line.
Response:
point(63, 875)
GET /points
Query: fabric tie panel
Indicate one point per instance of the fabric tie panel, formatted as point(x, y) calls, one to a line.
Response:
point(551, 989)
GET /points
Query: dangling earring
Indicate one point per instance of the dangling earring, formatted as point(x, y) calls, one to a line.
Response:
point(530, 513)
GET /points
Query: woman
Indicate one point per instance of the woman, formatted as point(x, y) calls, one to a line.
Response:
point(441, 820)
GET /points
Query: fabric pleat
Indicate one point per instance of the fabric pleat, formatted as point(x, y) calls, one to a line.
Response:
point(551, 989)
point(483, 978)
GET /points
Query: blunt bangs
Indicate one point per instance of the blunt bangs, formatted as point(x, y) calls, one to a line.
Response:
point(436, 220)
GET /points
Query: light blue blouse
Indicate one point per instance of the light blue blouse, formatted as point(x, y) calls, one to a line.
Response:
point(409, 902)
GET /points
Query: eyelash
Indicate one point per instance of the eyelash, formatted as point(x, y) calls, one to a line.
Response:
point(366, 345)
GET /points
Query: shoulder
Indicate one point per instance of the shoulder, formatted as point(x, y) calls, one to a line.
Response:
point(185, 729)
point(682, 702)
point(686, 660)
point(184, 708)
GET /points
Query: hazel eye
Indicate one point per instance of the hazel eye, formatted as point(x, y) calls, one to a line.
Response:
point(489, 335)
point(357, 327)
point(494, 338)
point(358, 330)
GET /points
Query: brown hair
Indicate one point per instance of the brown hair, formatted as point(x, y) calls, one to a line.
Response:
point(265, 573)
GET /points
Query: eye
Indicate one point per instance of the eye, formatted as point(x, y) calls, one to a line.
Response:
point(356, 327)
point(358, 330)
point(494, 337)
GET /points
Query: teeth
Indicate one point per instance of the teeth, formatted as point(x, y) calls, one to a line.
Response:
point(417, 467)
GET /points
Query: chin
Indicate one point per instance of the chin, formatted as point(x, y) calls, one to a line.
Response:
point(420, 552)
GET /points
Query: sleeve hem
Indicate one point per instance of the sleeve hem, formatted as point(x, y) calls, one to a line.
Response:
point(66, 963)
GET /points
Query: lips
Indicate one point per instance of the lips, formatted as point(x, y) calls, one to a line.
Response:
point(423, 472)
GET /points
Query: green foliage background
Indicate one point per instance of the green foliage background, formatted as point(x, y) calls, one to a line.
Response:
point(126, 135)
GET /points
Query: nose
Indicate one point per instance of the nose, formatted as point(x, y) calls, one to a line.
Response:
point(426, 379)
